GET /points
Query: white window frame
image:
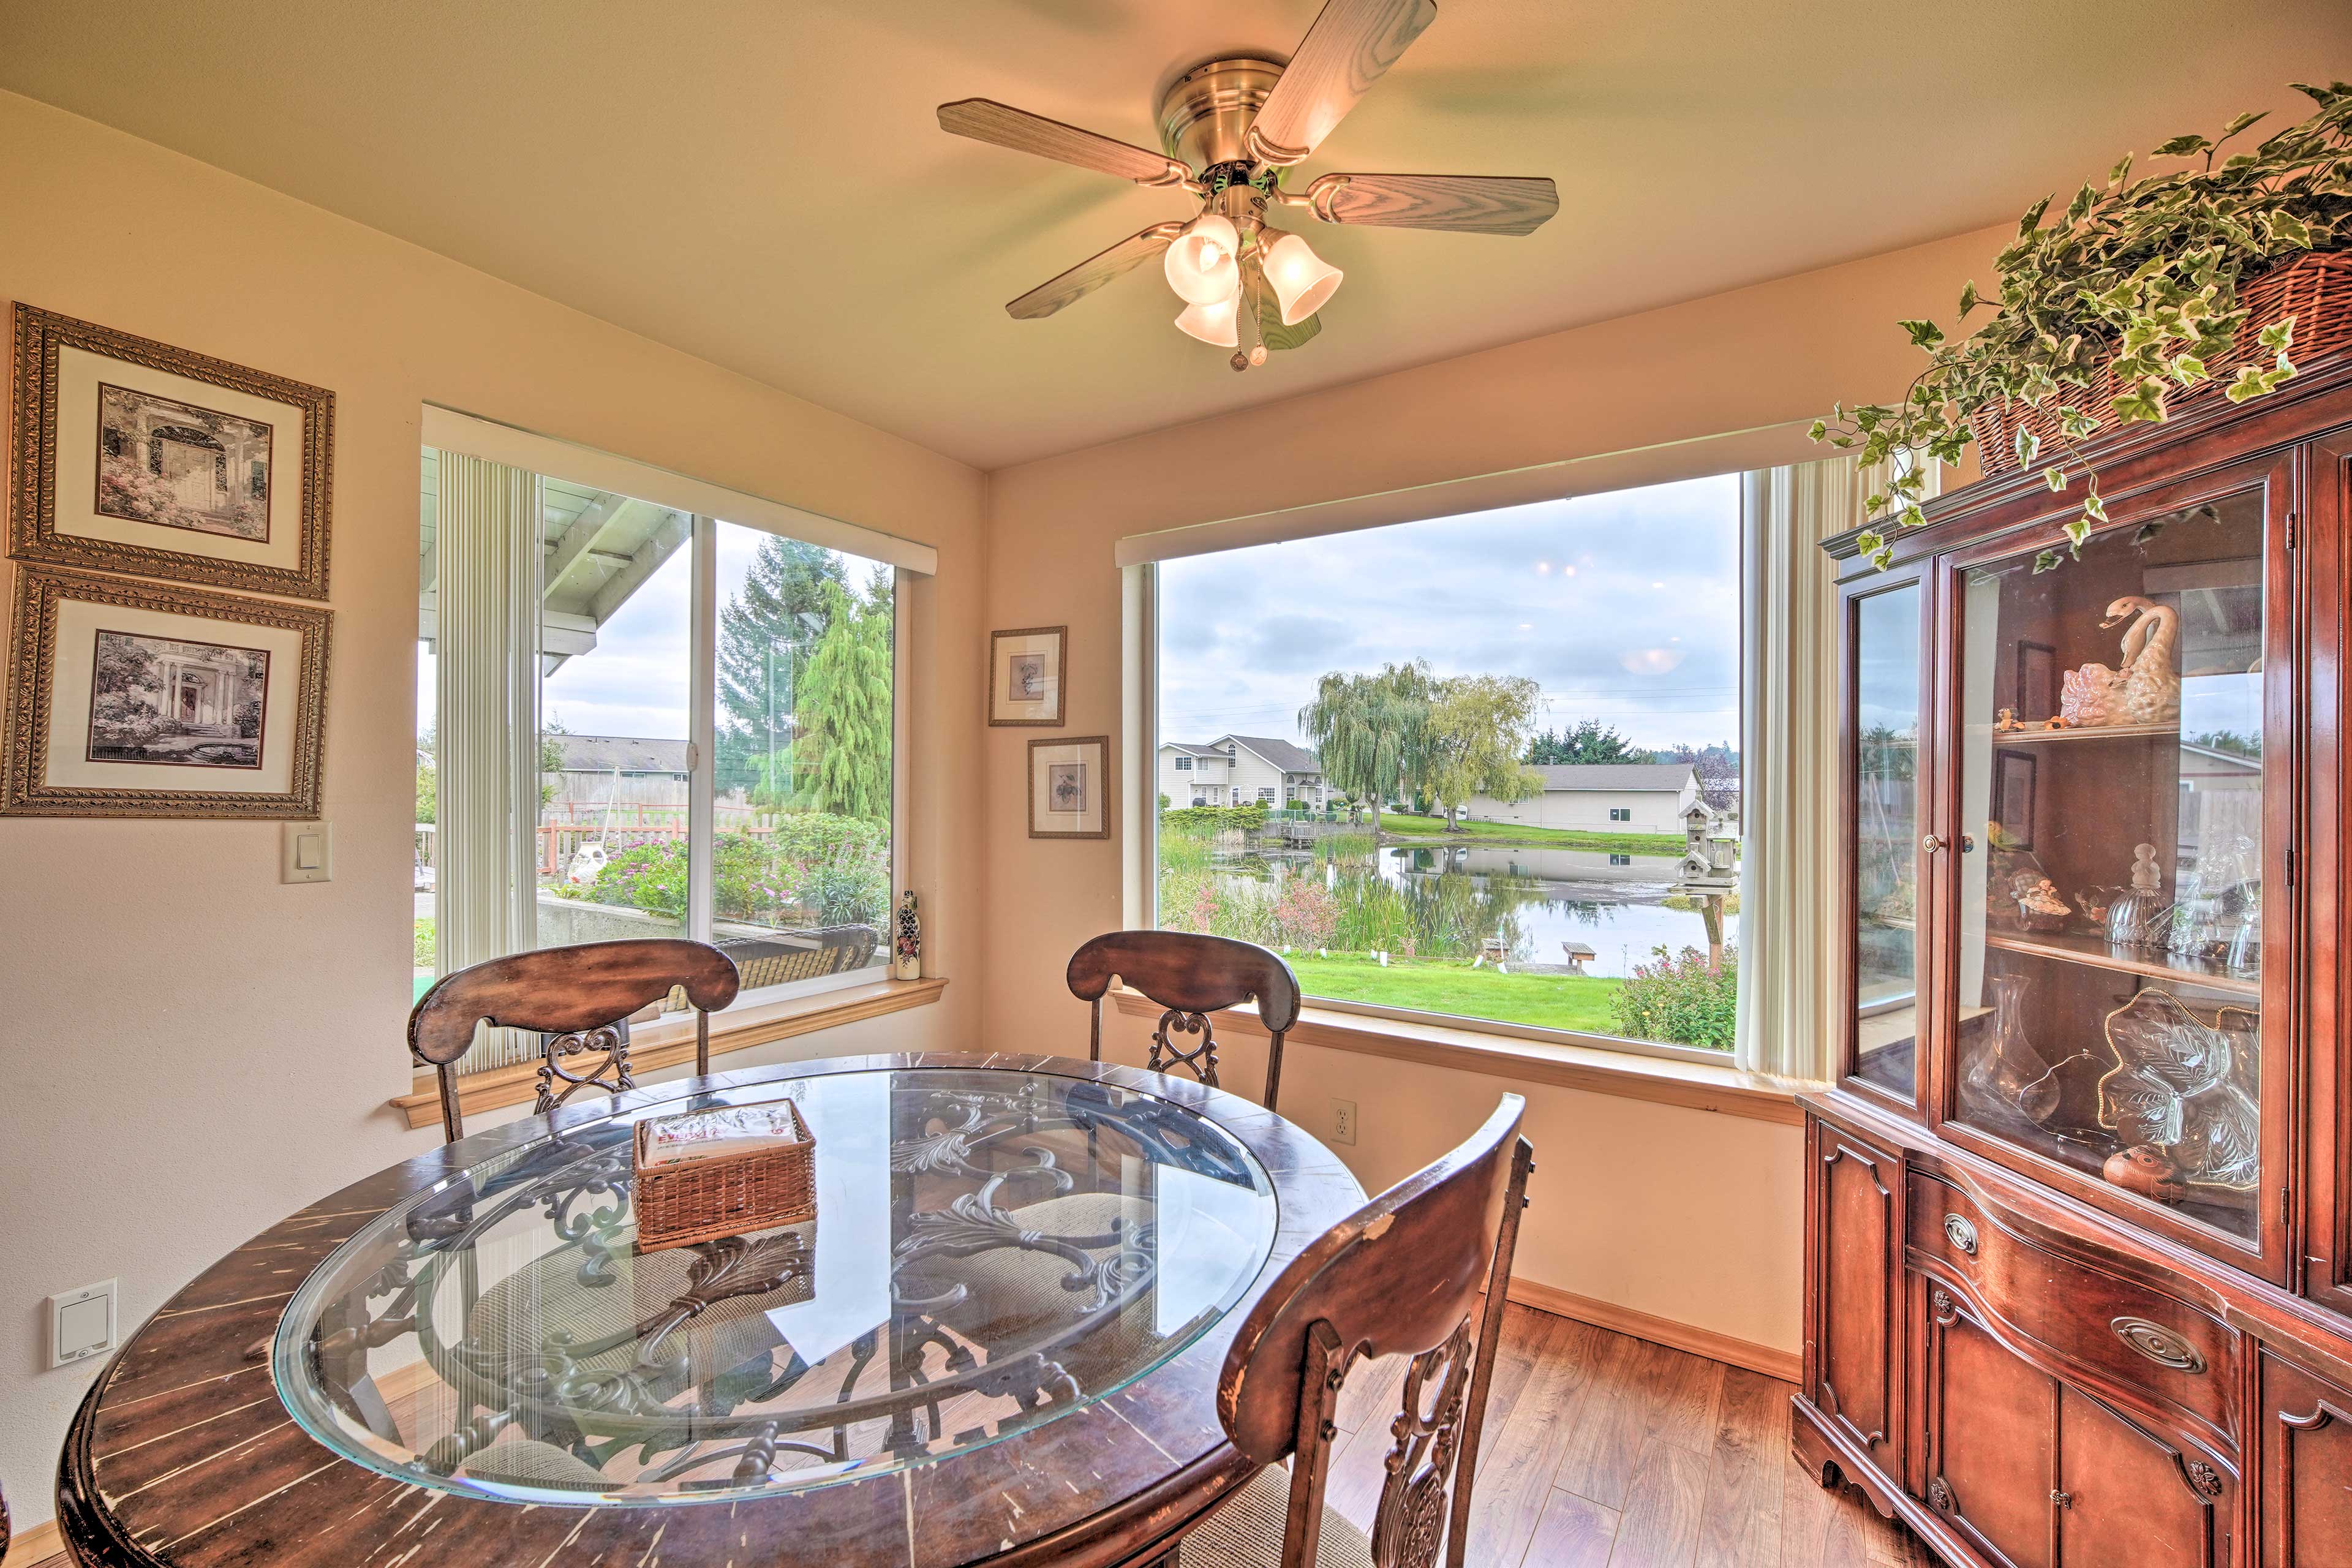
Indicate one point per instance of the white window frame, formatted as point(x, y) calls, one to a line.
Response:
point(1139, 688)
point(446, 429)
point(1183, 765)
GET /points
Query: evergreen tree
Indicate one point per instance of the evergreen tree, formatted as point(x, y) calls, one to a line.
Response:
point(843, 711)
point(767, 633)
point(1586, 741)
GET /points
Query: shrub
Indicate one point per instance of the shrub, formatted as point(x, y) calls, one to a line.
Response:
point(811, 866)
point(1678, 998)
point(1213, 818)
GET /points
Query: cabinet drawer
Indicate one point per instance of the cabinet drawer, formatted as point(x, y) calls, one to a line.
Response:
point(2116, 1335)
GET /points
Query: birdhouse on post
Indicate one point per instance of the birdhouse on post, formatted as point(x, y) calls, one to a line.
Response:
point(1707, 860)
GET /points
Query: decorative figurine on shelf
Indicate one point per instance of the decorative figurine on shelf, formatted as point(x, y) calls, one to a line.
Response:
point(2147, 690)
point(2136, 917)
point(2006, 722)
point(907, 948)
point(2005, 1075)
point(2040, 908)
point(2094, 903)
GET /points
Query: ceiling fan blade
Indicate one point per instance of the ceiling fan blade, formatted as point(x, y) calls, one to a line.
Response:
point(1351, 43)
point(1094, 272)
point(984, 120)
point(1466, 203)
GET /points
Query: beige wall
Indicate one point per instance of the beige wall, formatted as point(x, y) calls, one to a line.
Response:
point(190, 1049)
point(1680, 1214)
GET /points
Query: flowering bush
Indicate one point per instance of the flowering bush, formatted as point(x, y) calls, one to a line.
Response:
point(811, 867)
point(1679, 998)
point(1305, 913)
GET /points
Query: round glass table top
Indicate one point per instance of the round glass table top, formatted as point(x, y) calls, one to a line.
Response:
point(990, 1250)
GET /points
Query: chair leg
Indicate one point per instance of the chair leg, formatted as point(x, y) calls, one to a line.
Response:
point(1311, 1466)
point(1482, 1370)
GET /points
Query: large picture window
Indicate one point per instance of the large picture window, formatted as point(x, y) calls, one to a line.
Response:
point(692, 732)
point(1485, 767)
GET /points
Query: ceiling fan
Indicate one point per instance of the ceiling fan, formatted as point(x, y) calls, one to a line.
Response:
point(1230, 128)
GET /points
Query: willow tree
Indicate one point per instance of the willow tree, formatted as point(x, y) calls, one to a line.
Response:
point(1478, 725)
point(1370, 733)
point(843, 712)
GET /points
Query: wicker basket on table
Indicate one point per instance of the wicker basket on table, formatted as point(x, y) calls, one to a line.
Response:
point(693, 1200)
point(2316, 289)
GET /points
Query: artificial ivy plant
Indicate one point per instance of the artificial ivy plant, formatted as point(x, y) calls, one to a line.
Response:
point(2144, 273)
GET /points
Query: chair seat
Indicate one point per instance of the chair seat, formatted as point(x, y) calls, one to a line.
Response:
point(1246, 1531)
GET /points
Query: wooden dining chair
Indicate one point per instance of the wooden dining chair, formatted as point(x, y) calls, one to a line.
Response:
point(1190, 976)
point(578, 1000)
point(1421, 1270)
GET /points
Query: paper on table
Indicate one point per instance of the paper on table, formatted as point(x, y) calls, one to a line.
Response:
point(735, 1130)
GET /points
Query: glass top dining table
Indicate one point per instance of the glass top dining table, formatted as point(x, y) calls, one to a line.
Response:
point(998, 1338)
point(990, 1251)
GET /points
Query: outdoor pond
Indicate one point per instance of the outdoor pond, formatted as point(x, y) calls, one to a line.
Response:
point(1413, 902)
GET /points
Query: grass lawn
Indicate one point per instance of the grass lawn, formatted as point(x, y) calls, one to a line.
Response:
point(1548, 1001)
point(1406, 825)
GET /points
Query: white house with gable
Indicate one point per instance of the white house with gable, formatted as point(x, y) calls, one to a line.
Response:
point(1600, 797)
point(1240, 770)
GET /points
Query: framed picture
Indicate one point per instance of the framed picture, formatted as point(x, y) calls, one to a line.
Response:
point(2013, 796)
point(130, 698)
point(133, 456)
point(2037, 681)
point(1024, 675)
point(1069, 788)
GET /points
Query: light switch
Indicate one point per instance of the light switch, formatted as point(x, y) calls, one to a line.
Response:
point(306, 853)
point(81, 1323)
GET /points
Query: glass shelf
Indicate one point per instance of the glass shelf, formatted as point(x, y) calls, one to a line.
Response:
point(2100, 954)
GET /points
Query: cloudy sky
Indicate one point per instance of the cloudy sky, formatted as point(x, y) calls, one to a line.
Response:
point(1624, 607)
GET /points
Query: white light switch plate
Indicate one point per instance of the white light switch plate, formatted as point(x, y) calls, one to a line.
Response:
point(306, 853)
point(81, 1323)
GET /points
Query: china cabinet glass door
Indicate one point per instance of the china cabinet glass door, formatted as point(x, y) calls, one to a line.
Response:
point(2120, 913)
point(1885, 698)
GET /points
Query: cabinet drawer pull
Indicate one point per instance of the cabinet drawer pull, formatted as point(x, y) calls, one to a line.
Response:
point(2159, 1343)
point(2063, 1499)
point(1961, 1233)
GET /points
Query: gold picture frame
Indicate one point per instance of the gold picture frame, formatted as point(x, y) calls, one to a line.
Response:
point(130, 698)
point(133, 456)
point(1069, 787)
point(1028, 683)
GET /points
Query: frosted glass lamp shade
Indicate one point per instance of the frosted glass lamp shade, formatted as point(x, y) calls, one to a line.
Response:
point(1303, 281)
point(1219, 324)
point(1203, 265)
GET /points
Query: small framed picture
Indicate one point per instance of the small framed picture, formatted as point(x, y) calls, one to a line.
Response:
point(2037, 681)
point(1024, 675)
point(1069, 788)
point(133, 456)
point(2013, 796)
point(130, 698)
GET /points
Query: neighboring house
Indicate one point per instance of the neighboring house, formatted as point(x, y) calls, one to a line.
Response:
point(1239, 769)
point(1600, 797)
point(623, 771)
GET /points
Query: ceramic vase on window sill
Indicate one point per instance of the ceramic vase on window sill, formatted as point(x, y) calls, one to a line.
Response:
point(907, 945)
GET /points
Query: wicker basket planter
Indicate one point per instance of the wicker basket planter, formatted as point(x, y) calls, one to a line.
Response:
point(2316, 289)
point(703, 1199)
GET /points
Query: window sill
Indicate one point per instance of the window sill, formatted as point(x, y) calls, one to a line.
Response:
point(671, 1043)
point(1695, 1086)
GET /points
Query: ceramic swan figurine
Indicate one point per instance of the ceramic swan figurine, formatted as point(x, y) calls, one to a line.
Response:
point(2147, 690)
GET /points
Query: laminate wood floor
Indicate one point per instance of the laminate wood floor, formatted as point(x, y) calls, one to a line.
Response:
point(1606, 1452)
point(1602, 1451)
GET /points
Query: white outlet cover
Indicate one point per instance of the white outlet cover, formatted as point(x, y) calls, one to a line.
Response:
point(81, 1323)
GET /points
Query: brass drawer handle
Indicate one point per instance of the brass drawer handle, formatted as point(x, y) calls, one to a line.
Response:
point(2159, 1343)
point(1961, 1233)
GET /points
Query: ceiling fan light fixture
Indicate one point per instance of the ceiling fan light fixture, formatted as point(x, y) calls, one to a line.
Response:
point(1303, 281)
point(1218, 322)
point(1204, 266)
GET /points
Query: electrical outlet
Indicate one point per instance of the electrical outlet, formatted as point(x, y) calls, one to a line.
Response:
point(1343, 1122)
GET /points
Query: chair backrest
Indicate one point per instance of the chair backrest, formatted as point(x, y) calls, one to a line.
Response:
point(577, 999)
point(1402, 1275)
point(1190, 976)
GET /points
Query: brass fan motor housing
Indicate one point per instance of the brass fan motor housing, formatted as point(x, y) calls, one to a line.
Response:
point(1205, 114)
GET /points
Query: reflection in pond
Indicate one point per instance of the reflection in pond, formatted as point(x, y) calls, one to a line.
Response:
point(1530, 904)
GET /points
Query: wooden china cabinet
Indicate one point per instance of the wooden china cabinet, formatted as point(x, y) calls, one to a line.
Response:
point(2079, 1211)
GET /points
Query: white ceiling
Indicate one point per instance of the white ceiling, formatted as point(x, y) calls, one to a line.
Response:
point(764, 184)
